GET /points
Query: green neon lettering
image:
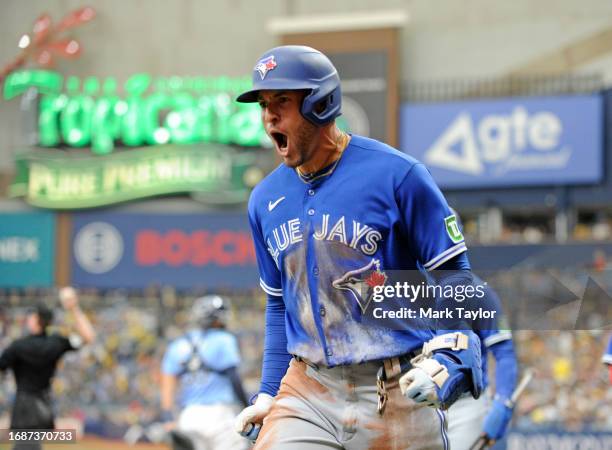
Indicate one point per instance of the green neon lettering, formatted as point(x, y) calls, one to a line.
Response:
point(182, 120)
point(75, 121)
point(152, 106)
point(180, 110)
point(222, 107)
point(48, 119)
point(45, 81)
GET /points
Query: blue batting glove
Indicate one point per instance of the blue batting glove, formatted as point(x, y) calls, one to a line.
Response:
point(496, 422)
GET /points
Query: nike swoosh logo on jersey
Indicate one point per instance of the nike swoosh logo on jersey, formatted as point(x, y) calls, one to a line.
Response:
point(271, 205)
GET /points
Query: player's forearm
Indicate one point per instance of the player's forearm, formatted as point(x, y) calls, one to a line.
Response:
point(455, 280)
point(168, 386)
point(83, 325)
point(454, 272)
point(506, 370)
point(275, 357)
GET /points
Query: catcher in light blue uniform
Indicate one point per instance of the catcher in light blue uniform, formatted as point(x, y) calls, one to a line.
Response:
point(327, 225)
point(199, 372)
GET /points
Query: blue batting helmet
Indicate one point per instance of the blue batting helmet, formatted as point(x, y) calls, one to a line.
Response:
point(297, 67)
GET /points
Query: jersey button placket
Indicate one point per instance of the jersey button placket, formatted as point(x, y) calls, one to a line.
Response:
point(310, 212)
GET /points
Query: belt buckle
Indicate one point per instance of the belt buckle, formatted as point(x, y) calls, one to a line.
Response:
point(381, 390)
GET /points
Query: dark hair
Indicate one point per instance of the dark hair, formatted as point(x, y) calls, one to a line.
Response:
point(45, 315)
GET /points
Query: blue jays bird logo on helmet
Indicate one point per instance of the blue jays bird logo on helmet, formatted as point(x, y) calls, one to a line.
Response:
point(361, 282)
point(265, 65)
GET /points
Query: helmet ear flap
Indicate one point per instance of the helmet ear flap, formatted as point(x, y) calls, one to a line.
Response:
point(322, 109)
point(320, 106)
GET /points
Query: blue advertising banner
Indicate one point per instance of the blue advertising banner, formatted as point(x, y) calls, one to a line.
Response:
point(208, 251)
point(27, 250)
point(557, 439)
point(507, 143)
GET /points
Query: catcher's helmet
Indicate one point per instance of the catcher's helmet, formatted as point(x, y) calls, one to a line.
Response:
point(297, 67)
point(209, 309)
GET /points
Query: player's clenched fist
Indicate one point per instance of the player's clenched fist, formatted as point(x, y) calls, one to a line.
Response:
point(420, 387)
point(248, 422)
point(448, 366)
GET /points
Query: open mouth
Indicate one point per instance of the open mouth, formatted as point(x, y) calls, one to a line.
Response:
point(280, 139)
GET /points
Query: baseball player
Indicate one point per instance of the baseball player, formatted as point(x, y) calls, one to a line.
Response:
point(203, 364)
point(33, 360)
point(327, 223)
point(467, 416)
point(607, 358)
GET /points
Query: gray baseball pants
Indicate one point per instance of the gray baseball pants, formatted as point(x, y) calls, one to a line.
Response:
point(336, 408)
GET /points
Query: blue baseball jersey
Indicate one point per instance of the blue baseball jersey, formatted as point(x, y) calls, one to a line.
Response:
point(218, 351)
point(317, 239)
point(607, 357)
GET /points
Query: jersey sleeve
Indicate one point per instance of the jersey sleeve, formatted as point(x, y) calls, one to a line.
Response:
point(174, 357)
point(269, 273)
point(67, 344)
point(8, 357)
point(607, 357)
point(495, 329)
point(433, 232)
point(492, 337)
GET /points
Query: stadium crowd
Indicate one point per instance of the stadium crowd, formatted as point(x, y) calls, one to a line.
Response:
point(113, 384)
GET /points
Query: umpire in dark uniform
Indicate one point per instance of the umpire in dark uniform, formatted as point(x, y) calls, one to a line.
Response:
point(33, 360)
